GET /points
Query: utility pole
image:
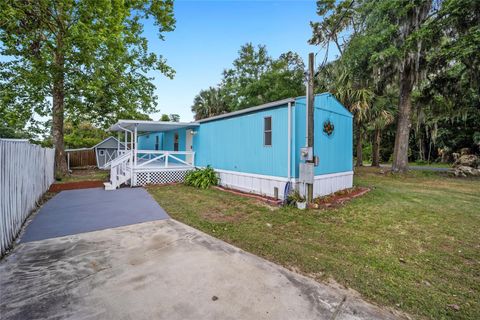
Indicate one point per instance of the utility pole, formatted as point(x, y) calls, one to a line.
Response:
point(310, 111)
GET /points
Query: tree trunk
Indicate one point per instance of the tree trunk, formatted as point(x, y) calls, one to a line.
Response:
point(421, 149)
point(377, 135)
point(359, 147)
point(400, 151)
point(58, 95)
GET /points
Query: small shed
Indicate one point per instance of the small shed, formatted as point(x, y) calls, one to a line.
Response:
point(107, 150)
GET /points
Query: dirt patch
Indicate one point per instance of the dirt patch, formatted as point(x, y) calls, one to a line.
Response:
point(337, 199)
point(85, 171)
point(269, 200)
point(57, 187)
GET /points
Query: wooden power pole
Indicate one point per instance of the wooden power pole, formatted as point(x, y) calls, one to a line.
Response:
point(310, 111)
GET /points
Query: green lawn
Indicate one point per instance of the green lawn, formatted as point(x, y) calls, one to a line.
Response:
point(412, 243)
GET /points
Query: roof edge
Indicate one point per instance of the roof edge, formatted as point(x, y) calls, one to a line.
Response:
point(106, 139)
point(248, 110)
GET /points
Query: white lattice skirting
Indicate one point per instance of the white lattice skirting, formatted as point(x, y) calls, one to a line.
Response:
point(141, 178)
point(265, 185)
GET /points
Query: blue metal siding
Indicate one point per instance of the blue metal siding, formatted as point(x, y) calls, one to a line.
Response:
point(237, 144)
point(147, 141)
point(335, 151)
point(169, 139)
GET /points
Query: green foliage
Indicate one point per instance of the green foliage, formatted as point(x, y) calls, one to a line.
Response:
point(174, 117)
point(295, 197)
point(379, 40)
point(201, 178)
point(83, 135)
point(164, 117)
point(93, 53)
point(209, 103)
point(255, 78)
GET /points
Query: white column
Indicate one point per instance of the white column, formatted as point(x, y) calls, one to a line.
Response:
point(126, 139)
point(135, 139)
point(118, 143)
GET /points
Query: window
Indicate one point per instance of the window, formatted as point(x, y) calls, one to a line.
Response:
point(175, 142)
point(157, 142)
point(267, 131)
point(101, 152)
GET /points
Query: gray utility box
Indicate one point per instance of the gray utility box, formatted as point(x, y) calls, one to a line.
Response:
point(306, 172)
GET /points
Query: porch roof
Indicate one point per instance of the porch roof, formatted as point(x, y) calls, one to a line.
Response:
point(150, 126)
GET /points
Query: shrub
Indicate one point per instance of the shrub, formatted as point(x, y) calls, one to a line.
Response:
point(201, 178)
point(295, 197)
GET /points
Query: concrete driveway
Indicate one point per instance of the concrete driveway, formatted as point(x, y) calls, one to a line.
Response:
point(161, 269)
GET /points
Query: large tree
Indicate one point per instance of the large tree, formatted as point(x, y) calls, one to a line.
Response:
point(86, 59)
point(257, 78)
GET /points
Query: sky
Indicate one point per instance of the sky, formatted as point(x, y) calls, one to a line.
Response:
point(208, 36)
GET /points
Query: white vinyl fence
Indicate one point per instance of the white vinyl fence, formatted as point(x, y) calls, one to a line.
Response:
point(26, 173)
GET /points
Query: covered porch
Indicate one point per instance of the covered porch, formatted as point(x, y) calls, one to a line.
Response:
point(151, 163)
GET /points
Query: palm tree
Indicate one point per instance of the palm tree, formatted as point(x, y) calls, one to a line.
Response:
point(381, 114)
point(357, 99)
point(209, 103)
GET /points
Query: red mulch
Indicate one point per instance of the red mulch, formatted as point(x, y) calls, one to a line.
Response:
point(338, 198)
point(269, 200)
point(56, 187)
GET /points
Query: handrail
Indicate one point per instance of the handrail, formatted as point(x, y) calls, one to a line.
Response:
point(165, 151)
point(120, 158)
point(120, 169)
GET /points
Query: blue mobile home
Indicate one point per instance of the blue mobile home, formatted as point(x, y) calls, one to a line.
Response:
point(256, 149)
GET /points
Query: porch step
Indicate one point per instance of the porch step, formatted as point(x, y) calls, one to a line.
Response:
point(108, 186)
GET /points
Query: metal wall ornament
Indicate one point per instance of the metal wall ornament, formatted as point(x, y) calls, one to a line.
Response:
point(328, 127)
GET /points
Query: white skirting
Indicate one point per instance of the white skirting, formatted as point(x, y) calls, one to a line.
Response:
point(254, 183)
point(333, 182)
point(265, 185)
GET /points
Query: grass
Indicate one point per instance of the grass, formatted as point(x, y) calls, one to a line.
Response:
point(85, 175)
point(412, 243)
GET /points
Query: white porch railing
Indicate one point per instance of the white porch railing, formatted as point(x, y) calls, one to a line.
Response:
point(163, 159)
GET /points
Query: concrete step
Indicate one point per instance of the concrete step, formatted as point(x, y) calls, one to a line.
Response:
point(109, 186)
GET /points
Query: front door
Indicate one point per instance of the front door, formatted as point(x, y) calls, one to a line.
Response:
point(189, 146)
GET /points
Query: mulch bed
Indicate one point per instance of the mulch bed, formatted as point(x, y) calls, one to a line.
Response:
point(338, 198)
point(57, 187)
point(269, 200)
point(331, 201)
